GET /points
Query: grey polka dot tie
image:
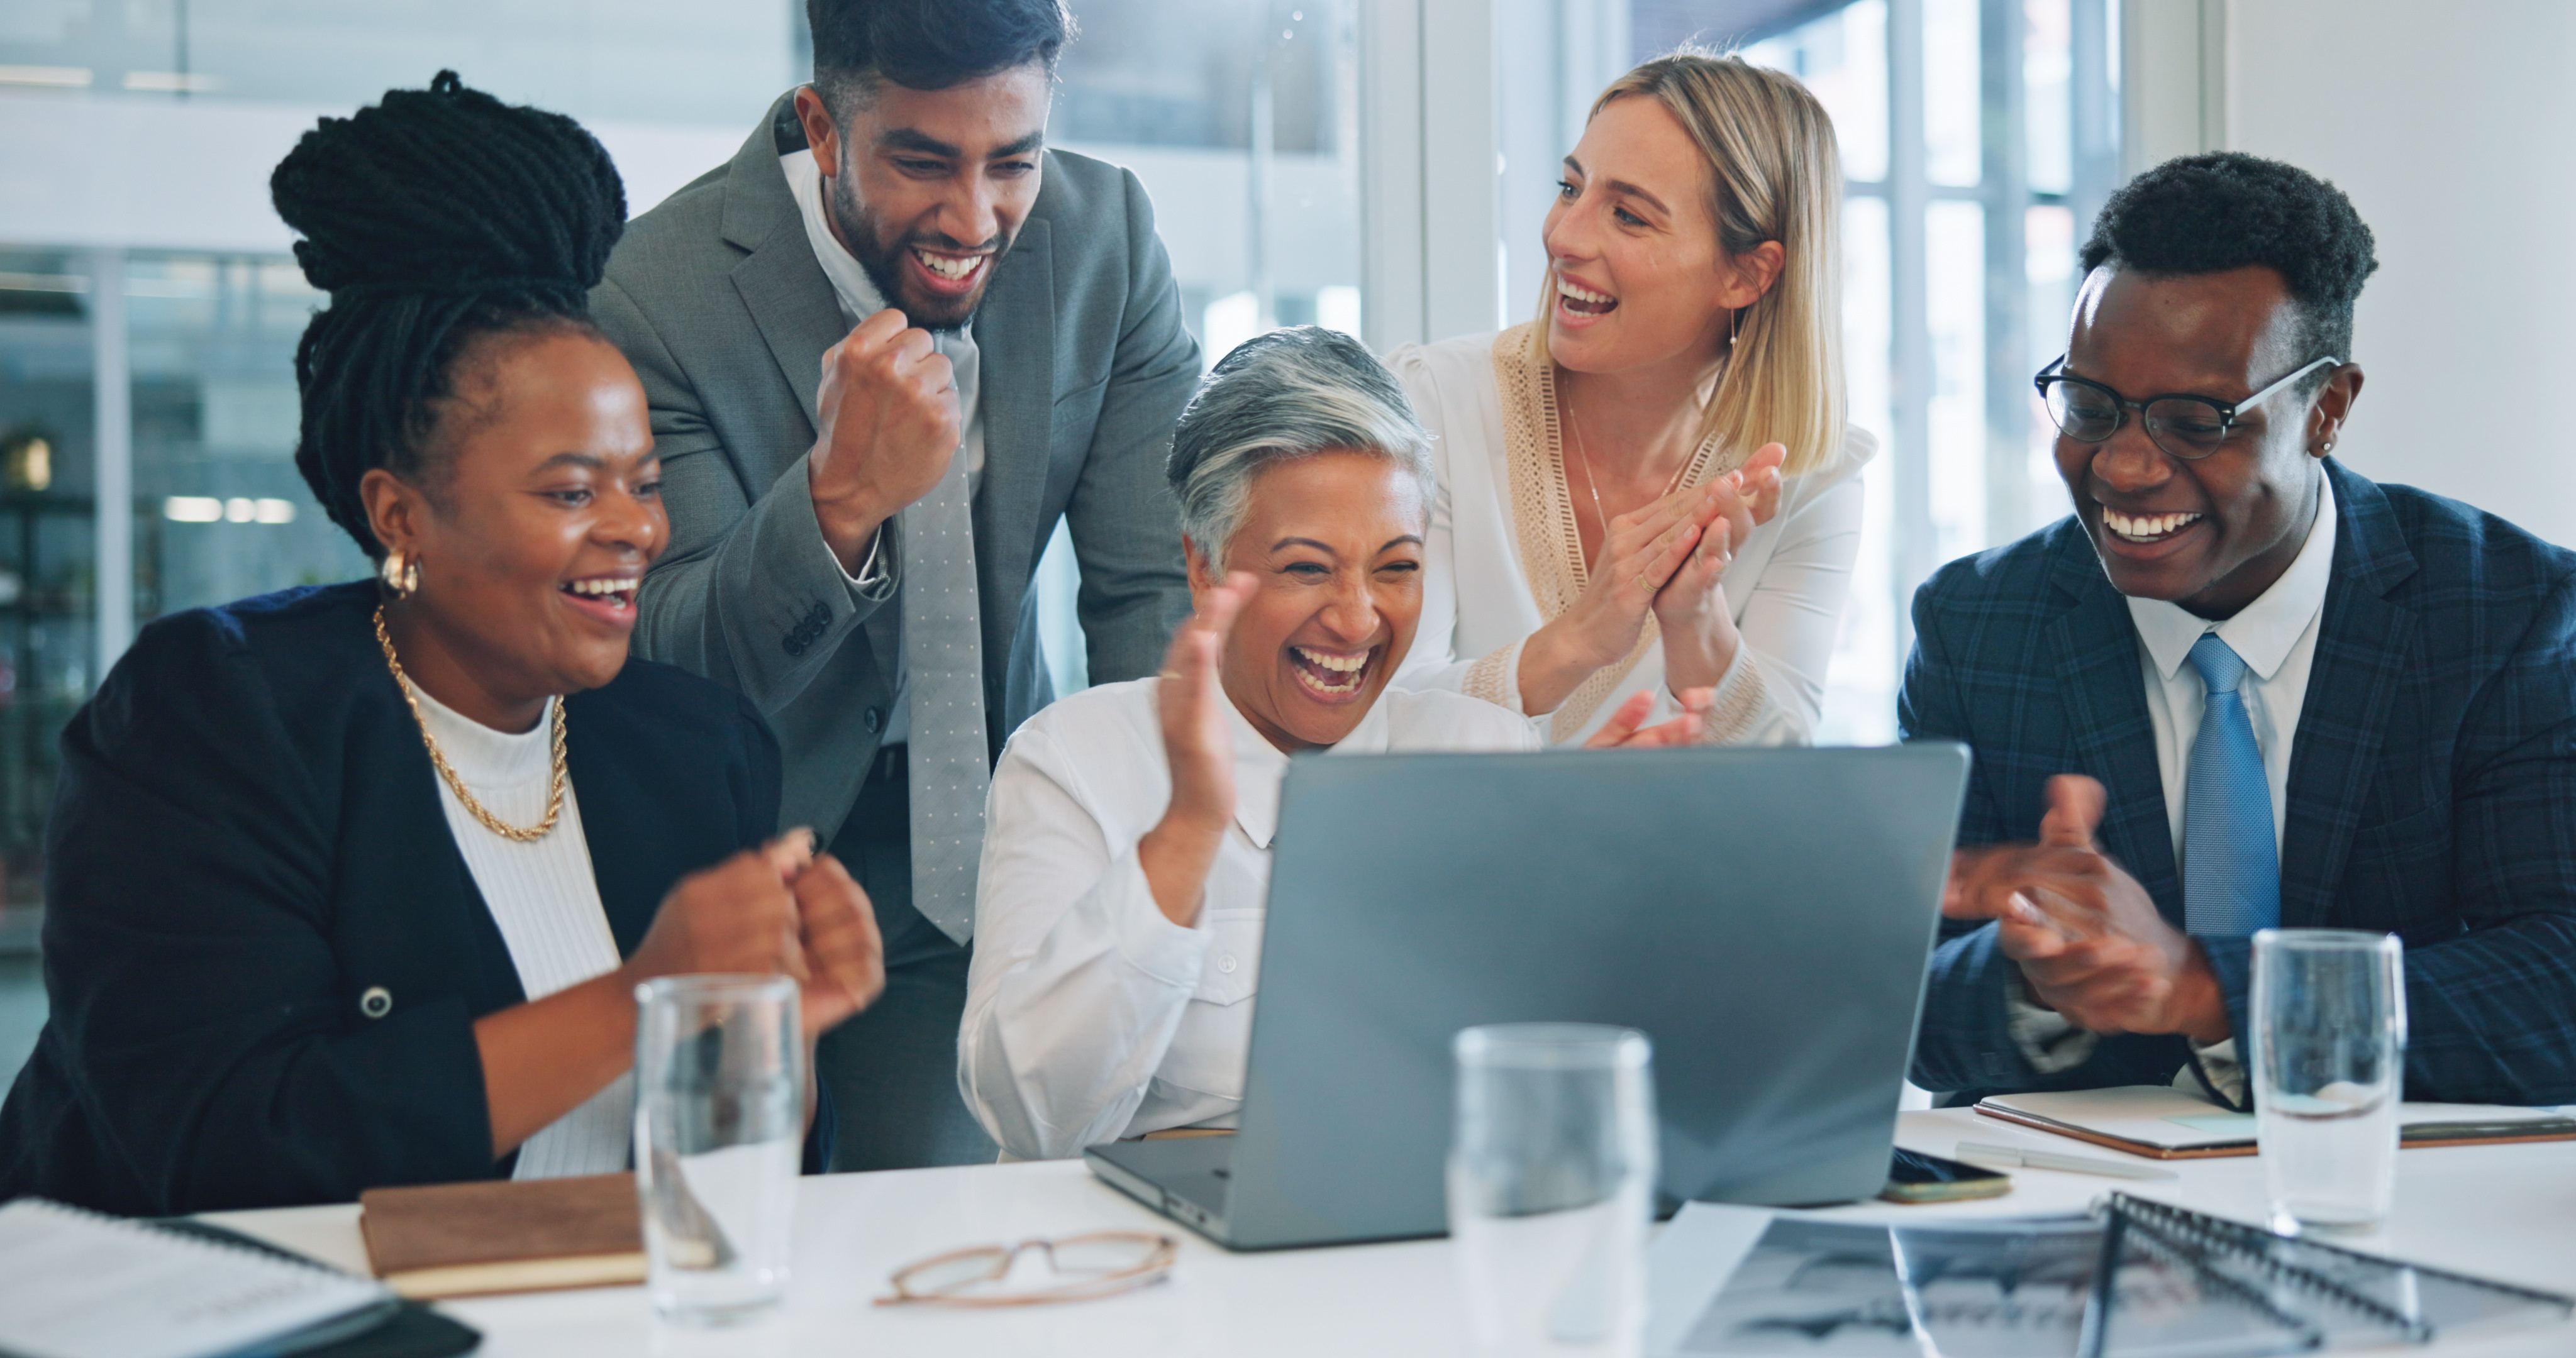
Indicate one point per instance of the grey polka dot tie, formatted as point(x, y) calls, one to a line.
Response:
point(943, 657)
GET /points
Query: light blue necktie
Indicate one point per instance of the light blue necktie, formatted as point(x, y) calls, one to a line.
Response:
point(2231, 867)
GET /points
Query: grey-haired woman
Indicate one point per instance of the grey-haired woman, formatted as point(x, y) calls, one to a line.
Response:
point(1127, 852)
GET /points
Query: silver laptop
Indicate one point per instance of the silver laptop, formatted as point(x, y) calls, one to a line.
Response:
point(1764, 916)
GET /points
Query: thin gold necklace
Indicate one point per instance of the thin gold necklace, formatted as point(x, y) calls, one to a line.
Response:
point(1594, 487)
point(476, 809)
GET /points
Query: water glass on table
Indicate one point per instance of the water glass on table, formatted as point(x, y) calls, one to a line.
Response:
point(719, 1134)
point(1552, 1187)
point(2328, 1066)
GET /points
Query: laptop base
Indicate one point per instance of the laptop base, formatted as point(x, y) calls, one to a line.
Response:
point(1184, 1178)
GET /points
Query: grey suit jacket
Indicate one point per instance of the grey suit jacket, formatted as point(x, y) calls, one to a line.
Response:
point(716, 298)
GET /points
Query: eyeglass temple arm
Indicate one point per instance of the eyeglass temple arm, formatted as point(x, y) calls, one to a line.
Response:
point(2258, 398)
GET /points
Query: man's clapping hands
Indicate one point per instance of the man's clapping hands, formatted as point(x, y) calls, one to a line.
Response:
point(2090, 941)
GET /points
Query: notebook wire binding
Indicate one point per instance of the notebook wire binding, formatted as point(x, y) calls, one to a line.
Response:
point(2215, 1248)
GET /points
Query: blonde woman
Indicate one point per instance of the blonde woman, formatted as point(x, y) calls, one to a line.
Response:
point(1650, 488)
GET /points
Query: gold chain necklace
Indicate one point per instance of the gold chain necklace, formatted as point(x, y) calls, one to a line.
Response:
point(1585, 457)
point(493, 823)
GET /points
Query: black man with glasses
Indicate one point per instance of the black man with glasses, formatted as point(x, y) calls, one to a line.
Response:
point(2243, 687)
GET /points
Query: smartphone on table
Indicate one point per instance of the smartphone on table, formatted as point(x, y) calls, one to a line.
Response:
point(1913, 1176)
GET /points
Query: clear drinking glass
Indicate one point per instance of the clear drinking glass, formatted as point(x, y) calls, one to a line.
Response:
point(2328, 1061)
point(719, 1132)
point(1552, 1187)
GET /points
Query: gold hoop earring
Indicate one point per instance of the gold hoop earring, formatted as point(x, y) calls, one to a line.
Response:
point(399, 573)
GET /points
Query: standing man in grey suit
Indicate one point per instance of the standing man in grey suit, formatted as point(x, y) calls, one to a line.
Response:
point(887, 347)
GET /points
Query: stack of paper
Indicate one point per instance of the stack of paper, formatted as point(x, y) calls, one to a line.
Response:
point(87, 1286)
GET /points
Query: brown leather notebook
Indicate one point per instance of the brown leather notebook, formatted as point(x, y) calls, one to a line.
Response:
point(473, 1239)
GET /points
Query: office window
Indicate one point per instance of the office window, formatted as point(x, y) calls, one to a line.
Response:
point(672, 62)
point(207, 346)
point(1979, 138)
point(47, 565)
point(1241, 119)
point(221, 512)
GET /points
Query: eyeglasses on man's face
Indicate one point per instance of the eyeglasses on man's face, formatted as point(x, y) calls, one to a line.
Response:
point(2186, 426)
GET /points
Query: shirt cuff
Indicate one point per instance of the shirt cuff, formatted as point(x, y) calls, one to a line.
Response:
point(2048, 1041)
point(1737, 705)
point(2224, 1071)
point(2231, 961)
point(1497, 678)
point(875, 581)
point(1146, 937)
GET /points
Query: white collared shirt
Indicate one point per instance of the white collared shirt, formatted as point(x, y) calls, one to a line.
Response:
point(859, 300)
point(1089, 1014)
point(2276, 636)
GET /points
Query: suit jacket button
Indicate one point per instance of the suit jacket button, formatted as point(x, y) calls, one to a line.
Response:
point(872, 719)
point(376, 1002)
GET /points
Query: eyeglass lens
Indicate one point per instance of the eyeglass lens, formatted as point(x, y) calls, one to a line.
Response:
point(959, 1272)
point(1071, 1264)
point(2182, 425)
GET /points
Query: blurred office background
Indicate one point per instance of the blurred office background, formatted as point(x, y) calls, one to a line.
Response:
point(1380, 166)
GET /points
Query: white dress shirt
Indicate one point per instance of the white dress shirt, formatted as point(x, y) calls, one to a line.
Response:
point(1787, 584)
point(1090, 1015)
point(2276, 637)
point(545, 901)
point(859, 300)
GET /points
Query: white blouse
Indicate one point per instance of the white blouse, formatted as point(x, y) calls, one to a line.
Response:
point(1089, 1014)
point(546, 903)
point(1502, 560)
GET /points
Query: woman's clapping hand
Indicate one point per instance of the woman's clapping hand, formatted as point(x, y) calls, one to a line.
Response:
point(1199, 745)
point(1621, 731)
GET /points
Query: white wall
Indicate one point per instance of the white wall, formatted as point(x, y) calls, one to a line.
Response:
point(2446, 125)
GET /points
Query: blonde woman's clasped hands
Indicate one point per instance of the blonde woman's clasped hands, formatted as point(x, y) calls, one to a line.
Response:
point(1691, 607)
point(1666, 559)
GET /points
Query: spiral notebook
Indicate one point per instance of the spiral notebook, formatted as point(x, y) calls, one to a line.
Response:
point(2132, 1279)
point(81, 1285)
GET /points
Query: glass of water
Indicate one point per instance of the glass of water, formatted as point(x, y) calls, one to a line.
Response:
point(719, 1133)
point(2328, 1061)
point(1552, 1187)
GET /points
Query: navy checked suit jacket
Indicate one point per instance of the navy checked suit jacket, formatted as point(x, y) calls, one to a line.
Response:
point(2432, 789)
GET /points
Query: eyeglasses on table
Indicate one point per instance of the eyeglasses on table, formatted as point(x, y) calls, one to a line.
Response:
point(1078, 1268)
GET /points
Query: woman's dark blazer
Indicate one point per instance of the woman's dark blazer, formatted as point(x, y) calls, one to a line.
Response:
point(247, 846)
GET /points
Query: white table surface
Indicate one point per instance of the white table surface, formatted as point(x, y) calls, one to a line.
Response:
point(2506, 1212)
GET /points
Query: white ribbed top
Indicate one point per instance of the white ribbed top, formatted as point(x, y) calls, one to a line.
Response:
point(545, 901)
